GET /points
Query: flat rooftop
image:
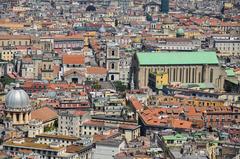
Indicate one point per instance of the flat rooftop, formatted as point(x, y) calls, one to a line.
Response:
point(30, 144)
point(63, 137)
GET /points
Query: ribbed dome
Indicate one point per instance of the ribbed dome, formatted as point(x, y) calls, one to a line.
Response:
point(17, 98)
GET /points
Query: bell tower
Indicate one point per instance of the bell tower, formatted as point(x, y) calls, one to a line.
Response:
point(112, 61)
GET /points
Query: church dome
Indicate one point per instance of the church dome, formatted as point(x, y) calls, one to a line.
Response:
point(180, 32)
point(91, 8)
point(102, 29)
point(17, 99)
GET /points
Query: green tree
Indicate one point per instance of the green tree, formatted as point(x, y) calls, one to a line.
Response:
point(96, 85)
point(148, 17)
point(116, 22)
point(119, 86)
point(6, 80)
point(55, 124)
point(47, 128)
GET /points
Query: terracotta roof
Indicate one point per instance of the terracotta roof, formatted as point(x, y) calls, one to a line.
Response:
point(129, 126)
point(25, 151)
point(181, 124)
point(99, 137)
point(45, 114)
point(94, 123)
point(73, 59)
point(49, 102)
point(27, 60)
point(74, 71)
point(96, 70)
point(79, 113)
point(136, 104)
point(68, 37)
point(61, 86)
point(73, 148)
point(15, 37)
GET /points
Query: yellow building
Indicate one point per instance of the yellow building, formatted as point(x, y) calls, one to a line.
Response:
point(192, 34)
point(15, 40)
point(47, 71)
point(228, 5)
point(7, 55)
point(190, 101)
point(211, 150)
point(2, 97)
point(157, 80)
point(130, 132)
point(12, 25)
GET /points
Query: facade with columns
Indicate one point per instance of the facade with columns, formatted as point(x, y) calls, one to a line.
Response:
point(17, 107)
point(184, 67)
point(18, 117)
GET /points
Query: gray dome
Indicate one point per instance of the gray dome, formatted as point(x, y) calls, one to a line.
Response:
point(17, 98)
point(102, 29)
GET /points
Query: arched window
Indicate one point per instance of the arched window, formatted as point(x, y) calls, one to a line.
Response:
point(211, 75)
point(112, 65)
point(112, 77)
point(44, 67)
point(113, 53)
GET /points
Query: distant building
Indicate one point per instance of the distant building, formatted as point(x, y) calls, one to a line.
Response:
point(174, 44)
point(44, 66)
point(27, 68)
point(7, 54)
point(35, 128)
point(165, 6)
point(152, 7)
point(226, 45)
point(73, 70)
point(3, 68)
point(15, 40)
point(46, 145)
point(75, 41)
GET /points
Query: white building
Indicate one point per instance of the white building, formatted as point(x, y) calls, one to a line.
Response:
point(175, 44)
point(226, 45)
point(70, 123)
point(35, 128)
point(107, 149)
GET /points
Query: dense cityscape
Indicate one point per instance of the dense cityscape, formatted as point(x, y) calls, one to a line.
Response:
point(120, 79)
